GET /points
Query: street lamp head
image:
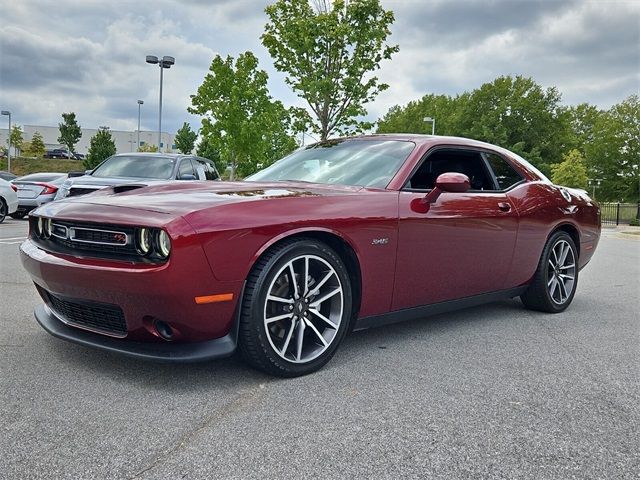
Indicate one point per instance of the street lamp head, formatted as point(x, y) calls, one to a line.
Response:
point(427, 119)
point(168, 61)
point(140, 102)
point(152, 59)
point(6, 112)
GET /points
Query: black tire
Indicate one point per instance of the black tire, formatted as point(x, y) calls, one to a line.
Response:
point(256, 340)
point(538, 295)
point(3, 209)
point(18, 215)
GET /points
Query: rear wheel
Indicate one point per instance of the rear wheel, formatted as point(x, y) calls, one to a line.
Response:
point(296, 308)
point(3, 209)
point(556, 278)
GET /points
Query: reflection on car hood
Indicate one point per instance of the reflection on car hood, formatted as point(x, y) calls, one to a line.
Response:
point(182, 197)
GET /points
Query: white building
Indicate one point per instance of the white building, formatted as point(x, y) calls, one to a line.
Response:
point(125, 141)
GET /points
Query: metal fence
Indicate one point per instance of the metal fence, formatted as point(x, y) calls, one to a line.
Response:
point(619, 213)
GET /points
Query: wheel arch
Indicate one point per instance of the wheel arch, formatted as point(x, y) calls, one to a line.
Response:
point(571, 230)
point(338, 243)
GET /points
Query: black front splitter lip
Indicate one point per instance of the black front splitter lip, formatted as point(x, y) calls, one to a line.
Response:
point(158, 352)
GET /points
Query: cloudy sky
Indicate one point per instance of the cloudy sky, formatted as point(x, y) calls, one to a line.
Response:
point(89, 56)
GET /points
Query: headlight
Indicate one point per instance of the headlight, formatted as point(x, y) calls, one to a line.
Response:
point(164, 244)
point(40, 226)
point(143, 240)
point(48, 227)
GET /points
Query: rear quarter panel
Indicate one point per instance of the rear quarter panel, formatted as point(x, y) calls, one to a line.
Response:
point(542, 210)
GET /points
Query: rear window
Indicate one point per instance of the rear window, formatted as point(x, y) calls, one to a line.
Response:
point(505, 174)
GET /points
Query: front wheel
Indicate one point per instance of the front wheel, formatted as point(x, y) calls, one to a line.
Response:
point(296, 308)
point(556, 278)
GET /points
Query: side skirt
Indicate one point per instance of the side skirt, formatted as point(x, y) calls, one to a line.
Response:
point(415, 313)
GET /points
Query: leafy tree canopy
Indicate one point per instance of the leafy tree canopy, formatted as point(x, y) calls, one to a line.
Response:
point(101, 147)
point(571, 172)
point(185, 138)
point(208, 148)
point(70, 132)
point(245, 125)
point(328, 54)
point(16, 137)
point(148, 147)
point(38, 148)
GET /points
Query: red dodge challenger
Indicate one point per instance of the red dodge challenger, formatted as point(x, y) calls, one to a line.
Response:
point(344, 234)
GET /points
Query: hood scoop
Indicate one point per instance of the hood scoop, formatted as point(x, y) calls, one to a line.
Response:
point(127, 187)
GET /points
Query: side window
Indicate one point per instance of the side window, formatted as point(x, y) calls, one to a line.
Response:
point(206, 169)
point(467, 162)
point(506, 175)
point(185, 168)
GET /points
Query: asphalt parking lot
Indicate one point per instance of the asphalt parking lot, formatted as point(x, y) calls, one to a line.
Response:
point(490, 392)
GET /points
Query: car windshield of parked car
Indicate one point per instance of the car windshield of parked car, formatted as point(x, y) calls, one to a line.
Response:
point(137, 166)
point(366, 163)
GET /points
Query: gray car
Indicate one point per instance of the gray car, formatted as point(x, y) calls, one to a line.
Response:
point(145, 168)
point(35, 189)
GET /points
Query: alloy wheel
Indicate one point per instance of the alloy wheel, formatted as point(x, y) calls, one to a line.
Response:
point(561, 272)
point(303, 308)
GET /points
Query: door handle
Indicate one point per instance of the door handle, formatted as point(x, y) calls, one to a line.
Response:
point(504, 206)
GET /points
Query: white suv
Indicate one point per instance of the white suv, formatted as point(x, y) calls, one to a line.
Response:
point(8, 199)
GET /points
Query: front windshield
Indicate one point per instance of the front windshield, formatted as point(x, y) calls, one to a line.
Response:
point(366, 163)
point(138, 166)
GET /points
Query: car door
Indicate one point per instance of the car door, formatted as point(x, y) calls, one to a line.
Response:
point(463, 244)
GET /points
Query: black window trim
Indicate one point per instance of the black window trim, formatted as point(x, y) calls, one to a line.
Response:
point(489, 170)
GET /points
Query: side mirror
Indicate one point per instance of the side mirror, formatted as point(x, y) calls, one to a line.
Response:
point(451, 182)
point(187, 176)
point(88, 172)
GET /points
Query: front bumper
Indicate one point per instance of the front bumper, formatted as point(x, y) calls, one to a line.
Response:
point(163, 352)
point(145, 294)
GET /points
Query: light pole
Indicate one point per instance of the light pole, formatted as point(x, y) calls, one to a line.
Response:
point(164, 62)
point(593, 183)
point(140, 102)
point(433, 124)
point(7, 112)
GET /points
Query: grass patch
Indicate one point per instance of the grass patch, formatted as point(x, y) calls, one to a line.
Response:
point(23, 166)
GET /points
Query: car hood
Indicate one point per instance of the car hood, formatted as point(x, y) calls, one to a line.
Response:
point(184, 197)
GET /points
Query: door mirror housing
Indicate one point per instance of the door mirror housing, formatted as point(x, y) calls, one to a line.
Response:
point(187, 176)
point(451, 182)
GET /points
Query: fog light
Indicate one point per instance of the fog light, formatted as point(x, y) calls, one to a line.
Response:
point(164, 330)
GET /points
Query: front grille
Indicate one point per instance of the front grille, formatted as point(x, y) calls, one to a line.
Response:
point(99, 236)
point(99, 317)
point(76, 191)
point(95, 240)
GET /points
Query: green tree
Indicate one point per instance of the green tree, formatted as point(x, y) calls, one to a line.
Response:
point(208, 148)
point(101, 147)
point(520, 115)
point(410, 118)
point(17, 139)
point(38, 148)
point(148, 147)
point(246, 126)
point(70, 132)
point(328, 54)
point(185, 138)
point(571, 172)
point(614, 154)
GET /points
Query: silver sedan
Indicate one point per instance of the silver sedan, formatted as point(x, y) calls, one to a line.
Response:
point(35, 189)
